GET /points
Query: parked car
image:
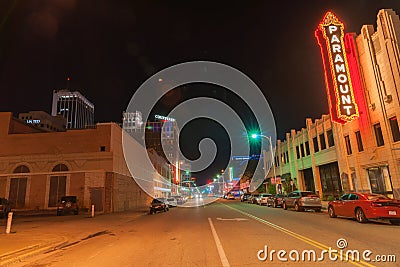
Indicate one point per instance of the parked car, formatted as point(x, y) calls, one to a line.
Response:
point(263, 199)
point(245, 197)
point(179, 200)
point(172, 202)
point(302, 200)
point(275, 200)
point(254, 198)
point(5, 207)
point(365, 206)
point(158, 204)
point(68, 204)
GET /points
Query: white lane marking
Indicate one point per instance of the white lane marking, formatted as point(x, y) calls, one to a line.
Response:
point(221, 251)
point(233, 219)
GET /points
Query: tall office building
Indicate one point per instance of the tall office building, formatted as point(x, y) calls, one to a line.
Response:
point(132, 121)
point(73, 106)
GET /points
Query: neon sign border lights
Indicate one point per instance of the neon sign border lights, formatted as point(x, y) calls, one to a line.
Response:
point(332, 84)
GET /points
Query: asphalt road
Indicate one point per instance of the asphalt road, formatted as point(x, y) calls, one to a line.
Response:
point(226, 233)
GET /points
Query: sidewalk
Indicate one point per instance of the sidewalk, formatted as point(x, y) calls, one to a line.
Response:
point(32, 234)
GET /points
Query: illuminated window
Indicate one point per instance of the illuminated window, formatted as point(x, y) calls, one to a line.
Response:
point(331, 141)
point(378, 135)
point(315, 142)
point(359, 142)
point(322, 141)
point(348, 145)
point(394, 126)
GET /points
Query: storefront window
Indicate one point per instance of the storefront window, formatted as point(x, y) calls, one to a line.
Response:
point(380, 181)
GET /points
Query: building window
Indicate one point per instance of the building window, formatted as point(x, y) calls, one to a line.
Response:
point(359, 142)
point(297, 152)
point(331, 141)
point(21, 169)
point(378, 134)
point(302, 150)
point(57, 189)
point(17, 192)
point(307, 145)
point(322, 141)
point(394, 126)
point(58, 185)
point(348, 145)
point(287, 156)
point(315, 142)
point(102, 148)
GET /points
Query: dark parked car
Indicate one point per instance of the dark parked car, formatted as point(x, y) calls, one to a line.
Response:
point(245, 197)
point(364, 206)
point(159, 204)
point(302, 200)
point(68, 204)
point(275, 200)
point(5, 207)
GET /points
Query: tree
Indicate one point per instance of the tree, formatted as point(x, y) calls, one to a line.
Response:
point(272, 189)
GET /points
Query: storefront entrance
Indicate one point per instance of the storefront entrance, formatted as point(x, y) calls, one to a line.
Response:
point(330, 179)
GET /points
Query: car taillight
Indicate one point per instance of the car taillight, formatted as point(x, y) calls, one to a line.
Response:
point(376, 204)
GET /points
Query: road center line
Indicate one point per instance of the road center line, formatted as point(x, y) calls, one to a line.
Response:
point(298, 236)
point(221, 251)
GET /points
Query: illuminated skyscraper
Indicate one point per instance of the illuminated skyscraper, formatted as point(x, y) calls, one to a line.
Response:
point(73, 106)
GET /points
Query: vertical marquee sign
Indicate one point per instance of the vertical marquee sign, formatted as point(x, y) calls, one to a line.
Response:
point(329, 34)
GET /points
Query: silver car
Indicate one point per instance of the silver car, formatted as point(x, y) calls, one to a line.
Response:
point(302, 200)
point(263, 199)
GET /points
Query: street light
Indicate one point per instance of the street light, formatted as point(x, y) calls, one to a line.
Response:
point(255, 136)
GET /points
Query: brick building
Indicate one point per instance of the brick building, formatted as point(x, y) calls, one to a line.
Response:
point(37, 168)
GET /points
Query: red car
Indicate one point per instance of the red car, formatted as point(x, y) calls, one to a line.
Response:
point(365, 206)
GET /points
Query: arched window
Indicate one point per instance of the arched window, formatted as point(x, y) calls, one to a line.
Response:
point(58, 185)
point(60, 168)
point(21, 169)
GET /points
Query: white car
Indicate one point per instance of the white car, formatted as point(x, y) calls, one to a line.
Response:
point(172, 202)
point(263, 199)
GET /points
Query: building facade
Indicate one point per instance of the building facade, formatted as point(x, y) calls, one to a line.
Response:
point(37, 168)
point(73, 106)
point(362, 154)
point(44, 121)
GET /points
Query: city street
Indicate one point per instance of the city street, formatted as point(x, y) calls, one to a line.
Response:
point(225, 233)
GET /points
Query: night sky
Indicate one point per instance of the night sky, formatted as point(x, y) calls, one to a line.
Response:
point(109, 48)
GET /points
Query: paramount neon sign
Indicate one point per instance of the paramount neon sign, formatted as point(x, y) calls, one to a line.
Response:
point(343, 107)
